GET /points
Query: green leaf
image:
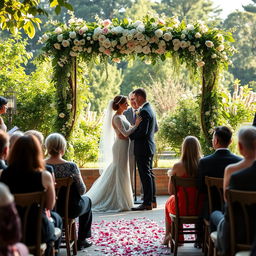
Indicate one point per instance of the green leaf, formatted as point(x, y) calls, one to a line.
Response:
point(69, 6)
point(57, 9)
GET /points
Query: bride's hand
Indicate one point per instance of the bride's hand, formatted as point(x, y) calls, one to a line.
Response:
point(138, 120)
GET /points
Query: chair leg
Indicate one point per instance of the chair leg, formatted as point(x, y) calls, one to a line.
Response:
point(74, 238)
point(172, 236)
point(67, 238)
point(176, 239)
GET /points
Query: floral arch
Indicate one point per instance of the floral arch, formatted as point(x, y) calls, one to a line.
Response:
point(204, 50)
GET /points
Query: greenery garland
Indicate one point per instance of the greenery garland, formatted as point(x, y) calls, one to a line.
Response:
point(205, 51)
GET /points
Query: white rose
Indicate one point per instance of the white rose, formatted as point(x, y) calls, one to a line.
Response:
point(167, 36)
point(190, 27)
point(146, 50)
point(161, 44)
point(176, 41)
point(137, 23)
point(45, 37)
point(97, 31)
point(176, 47)
point(101, 49)
point(58, 30)
point(73, 54)
point(89, 49)
point(82, 42)
point(203, 28)
point(80, 48)
point(220, 48)
point(198, 35)
point(123, 40)
point(88, 38)
point(183, 44)
point(117, 30)
point(140, 36)
point(192, 48)
point(138, 49)
point(72, 34)
point(200, 63)
point(106, 43)
point(159, 33)
point(220, 37)
point(60, 38)
point(83, 29)
point(147, 61)
point(129, 37)
point(143, 42)
point(57, 46)
point(113, 43)
point(75, 48)
point(183, 36)
point(61, 115)
point(141, 28)
point(76, 42)
point(102, 38)
point(209, 43)
point(69, 106)
point(65, 43)
point(214, 56)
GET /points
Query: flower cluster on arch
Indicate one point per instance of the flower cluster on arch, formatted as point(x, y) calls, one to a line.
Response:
point(150, 40)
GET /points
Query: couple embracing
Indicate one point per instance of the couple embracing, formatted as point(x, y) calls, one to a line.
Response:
point(112, 191)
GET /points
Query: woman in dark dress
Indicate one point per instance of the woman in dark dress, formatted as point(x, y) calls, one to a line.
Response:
point(80, 205)
point(10, 227)
point(26, 174)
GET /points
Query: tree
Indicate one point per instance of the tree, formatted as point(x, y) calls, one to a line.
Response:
point(250, 7)
point(16, 14)
point(243, 27)
point(190, 10)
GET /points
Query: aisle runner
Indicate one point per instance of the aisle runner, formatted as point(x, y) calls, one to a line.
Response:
point(138, 236)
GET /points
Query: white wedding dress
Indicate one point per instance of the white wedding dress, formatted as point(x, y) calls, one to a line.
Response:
point(112, 191)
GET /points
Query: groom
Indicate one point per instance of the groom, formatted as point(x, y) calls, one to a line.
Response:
point(144, 149)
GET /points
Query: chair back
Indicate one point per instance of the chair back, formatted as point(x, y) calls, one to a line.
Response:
point(184, 184)
point(62, 189)
point(215, 193)
point(31, 205)
point(242, 212)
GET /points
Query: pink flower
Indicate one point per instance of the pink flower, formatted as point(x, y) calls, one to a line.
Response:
point(107, 22)
point(105, 30)
point(107, 52)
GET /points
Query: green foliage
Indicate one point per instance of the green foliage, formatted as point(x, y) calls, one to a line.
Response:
point(104, 82)
point(181, 123)
point(16, 14)
point(85, 143)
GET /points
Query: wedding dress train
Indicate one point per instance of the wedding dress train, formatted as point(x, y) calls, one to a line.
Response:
point(112, 191)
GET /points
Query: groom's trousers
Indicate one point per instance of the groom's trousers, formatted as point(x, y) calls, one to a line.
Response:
point(144, 164)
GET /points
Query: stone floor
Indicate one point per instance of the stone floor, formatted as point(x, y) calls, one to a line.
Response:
point(156, 215)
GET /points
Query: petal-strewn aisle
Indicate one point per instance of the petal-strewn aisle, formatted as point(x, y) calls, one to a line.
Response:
point(138, 236)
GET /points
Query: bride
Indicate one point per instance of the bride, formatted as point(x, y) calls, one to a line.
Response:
point(112, 191)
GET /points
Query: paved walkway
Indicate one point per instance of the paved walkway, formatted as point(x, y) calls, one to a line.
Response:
point(156, 215)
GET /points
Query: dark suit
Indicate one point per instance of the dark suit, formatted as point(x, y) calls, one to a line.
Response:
point(241, 180)
point(214, 165)
point(144, 150)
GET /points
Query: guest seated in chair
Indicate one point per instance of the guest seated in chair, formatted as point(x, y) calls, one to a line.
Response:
point(243, 179)
point(4, 148)
point(80, 205)
point(26, 174)
point(10, 226)
point(186, 167)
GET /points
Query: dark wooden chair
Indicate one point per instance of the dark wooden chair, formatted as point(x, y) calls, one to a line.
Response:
point(26, 203)
point(214, 185)
point(177, 219)
point(62, 187)
point(242, 212)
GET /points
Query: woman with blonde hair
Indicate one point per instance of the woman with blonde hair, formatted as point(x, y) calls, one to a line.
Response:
point(186, 167)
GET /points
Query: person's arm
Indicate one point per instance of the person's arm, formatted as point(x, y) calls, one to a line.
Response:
point(171, 172)
point(48, 184)
point(118, 122)
point(78, 180)
point(142, 129)
point(226, 182)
